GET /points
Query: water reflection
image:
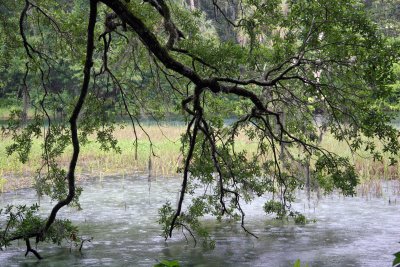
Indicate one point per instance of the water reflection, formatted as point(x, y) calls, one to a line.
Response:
point(121, 214)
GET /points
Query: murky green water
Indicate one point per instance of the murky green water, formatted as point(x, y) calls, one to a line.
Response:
point(121, 214)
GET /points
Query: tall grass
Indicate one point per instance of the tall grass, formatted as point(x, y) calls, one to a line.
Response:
point(365, 165)
point(165, 142)
point(93, 161)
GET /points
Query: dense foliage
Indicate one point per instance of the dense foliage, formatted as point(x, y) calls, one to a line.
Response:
point(280, 73)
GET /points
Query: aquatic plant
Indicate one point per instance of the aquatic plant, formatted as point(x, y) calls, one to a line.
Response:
point(3, 181)
point(167, 263)
point(396, 261)
point(298, 264)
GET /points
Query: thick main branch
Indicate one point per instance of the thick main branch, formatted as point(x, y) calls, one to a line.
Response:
point(74, 117)
point(162, 54)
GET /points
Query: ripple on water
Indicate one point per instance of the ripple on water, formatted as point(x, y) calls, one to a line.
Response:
point(122, 220)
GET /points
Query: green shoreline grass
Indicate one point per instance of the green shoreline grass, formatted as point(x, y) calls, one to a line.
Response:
point(95, 162)
point(166, 145)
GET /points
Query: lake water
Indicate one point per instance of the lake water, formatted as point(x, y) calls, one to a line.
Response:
point(121, 214)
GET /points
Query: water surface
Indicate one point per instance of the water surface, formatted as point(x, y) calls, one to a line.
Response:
point(121, 214)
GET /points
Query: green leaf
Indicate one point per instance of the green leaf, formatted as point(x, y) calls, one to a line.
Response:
point(396, 260)
point(167, 263)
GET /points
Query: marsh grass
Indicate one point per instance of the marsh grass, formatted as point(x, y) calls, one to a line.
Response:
point(98, 163)
point(167, 158)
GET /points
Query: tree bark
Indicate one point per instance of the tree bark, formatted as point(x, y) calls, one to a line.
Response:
point(74, 117)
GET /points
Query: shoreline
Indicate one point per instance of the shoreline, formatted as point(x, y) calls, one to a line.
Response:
point(365, 189)
point(165, 140)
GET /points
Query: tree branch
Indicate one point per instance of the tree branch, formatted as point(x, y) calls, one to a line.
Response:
point(73, 121)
